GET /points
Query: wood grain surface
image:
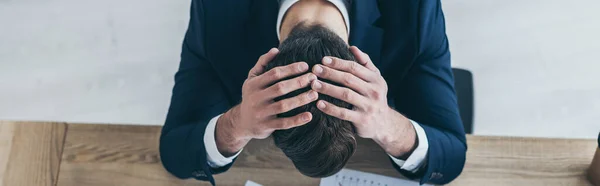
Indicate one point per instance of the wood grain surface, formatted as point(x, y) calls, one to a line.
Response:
point(526, 161)
point(127, 155)
point(99, 155)
point(104, 155)
point(6, 136)
point(32, 151)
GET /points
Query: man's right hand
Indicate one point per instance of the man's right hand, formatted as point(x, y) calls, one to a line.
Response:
point(256, 117)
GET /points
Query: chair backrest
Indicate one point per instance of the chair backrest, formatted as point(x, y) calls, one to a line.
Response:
point(463, 84)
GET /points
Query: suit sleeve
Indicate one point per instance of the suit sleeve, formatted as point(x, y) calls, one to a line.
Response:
point(427, 96)
point(198, 96)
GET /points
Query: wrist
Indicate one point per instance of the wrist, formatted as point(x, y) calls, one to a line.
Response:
point(400, 138)
point(229, 140)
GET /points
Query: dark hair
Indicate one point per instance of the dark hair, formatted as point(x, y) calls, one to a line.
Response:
point(323, 146)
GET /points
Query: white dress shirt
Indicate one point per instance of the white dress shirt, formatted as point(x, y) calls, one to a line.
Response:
point(284, 5)
point(414, 161)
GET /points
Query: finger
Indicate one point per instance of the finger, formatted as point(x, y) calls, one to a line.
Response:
point(262, 62)
point(288, 104)
point(343, 78)
point(341, 93)
point(338, 112)
point(364, 59)
point(287, 86)
point(278, 73)
point(350, 67)
point(290, 122)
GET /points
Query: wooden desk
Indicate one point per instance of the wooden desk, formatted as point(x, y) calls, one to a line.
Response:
point(65, 154)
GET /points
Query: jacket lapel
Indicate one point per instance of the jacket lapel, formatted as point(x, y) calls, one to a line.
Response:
point(237, 32)
point(363, 32)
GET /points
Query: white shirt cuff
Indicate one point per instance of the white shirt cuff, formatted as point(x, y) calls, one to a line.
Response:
point(214, 157)
point(419, 155)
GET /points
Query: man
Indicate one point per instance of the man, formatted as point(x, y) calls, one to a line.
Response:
point(402, 92)
point(322, 146)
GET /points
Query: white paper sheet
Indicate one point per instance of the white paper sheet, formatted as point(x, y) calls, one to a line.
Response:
point(251, 183)
point(348, 177)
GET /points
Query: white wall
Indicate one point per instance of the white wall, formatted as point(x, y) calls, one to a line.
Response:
point(536, 64)
point(89, 61)
point(535, 61)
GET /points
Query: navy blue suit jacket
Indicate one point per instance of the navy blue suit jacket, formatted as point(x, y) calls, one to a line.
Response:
point(406, 40)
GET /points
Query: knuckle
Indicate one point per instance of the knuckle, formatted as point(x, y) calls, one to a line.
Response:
point(263, 113)
point(369, 118)
point(366, 120)
point(251, 81)
point(377, 97)
point(302, 99)
point(353, 67)
point(362, 120)
point(348, 80)
point(335, 63)
point(245, 85)
point(280, 88)
point(300, 82)
point(276, 124)
point(369, 108)
point(282, 125)
point(346, 94)
point(344, 66)
point(374, 94)
point(276, 73)
point(287, 123)
point(280, 106)
point(343, 115)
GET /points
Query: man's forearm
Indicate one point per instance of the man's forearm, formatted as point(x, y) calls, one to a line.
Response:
point(228, 141)
point(401, 140)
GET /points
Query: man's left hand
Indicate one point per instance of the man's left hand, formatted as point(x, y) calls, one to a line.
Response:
point(366, 90)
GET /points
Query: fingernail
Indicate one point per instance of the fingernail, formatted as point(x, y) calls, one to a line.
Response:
point(273, 50)
point(316, 85)
point(305, 117)
point(321, 105)
point(302, 67)
point(312, 95)
point(318, 69)
point(312, 77)
point(327, 60)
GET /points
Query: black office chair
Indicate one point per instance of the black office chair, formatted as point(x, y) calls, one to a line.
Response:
point(463, 83)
